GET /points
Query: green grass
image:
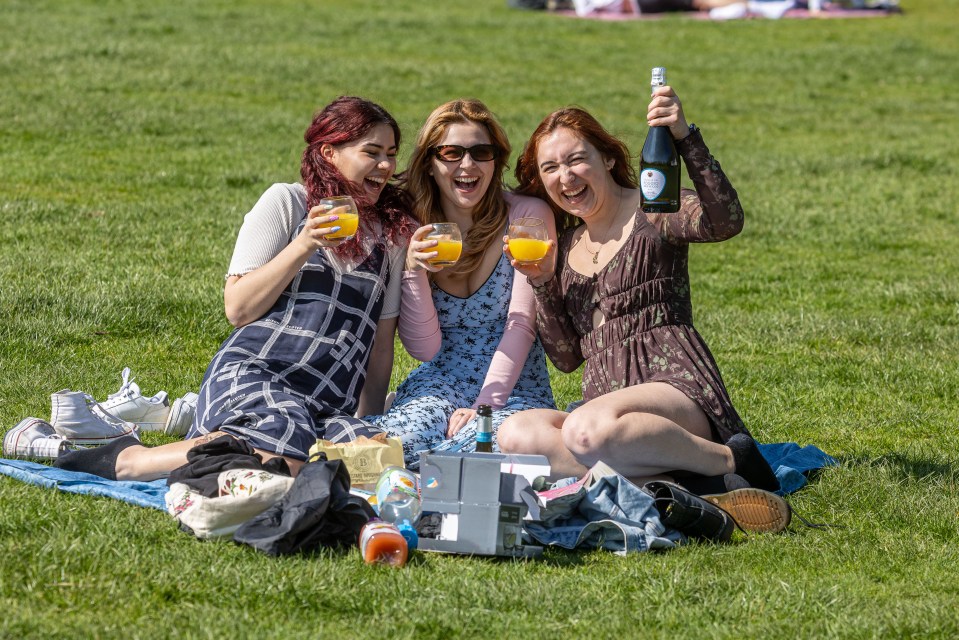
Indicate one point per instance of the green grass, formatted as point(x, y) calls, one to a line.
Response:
point(135, 135)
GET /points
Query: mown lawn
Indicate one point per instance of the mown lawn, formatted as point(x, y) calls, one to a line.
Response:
point(135, 135)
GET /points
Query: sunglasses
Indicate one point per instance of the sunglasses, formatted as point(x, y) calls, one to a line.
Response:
point(455, 153)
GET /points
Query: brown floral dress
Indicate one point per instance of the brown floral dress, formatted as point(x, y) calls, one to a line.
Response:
point(643, 293)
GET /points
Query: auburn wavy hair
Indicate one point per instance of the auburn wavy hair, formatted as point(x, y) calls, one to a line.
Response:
point(344, 120)
point(491, 213)
point(587, 128)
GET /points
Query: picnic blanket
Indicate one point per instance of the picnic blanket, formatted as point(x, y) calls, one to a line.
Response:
point(143, 494)
point(791, 463)
point(750, 10)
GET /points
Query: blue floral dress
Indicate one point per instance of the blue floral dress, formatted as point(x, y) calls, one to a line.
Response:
point(472, 328)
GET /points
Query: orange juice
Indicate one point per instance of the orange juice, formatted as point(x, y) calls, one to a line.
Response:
point(528, 249)
point(382, 543)
point(447, 252)
point(348, 222)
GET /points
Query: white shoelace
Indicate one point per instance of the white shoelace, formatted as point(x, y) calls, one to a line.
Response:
point(127, 390)
point(102, 413)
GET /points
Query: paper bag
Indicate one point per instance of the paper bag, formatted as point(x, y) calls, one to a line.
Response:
point(365, 458)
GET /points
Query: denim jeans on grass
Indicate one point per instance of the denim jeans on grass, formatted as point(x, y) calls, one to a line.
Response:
point(613, 514)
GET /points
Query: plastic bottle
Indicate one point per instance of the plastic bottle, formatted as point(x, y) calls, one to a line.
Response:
point(382, 543)
point(398, 501)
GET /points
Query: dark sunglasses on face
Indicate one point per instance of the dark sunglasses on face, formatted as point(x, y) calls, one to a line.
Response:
point(455, 152)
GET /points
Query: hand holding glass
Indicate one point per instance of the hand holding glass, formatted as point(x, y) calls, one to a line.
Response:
point(348, 217)
point(449, 243)
point(527, 240)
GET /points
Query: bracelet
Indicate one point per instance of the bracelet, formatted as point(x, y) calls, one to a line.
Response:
point(693, 129)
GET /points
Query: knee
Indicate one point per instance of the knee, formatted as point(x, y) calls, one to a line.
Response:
point(587, 433)
point(513, 434)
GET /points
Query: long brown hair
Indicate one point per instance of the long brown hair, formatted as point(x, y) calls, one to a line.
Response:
point(346, 119)
point(491, 212)
point(585, 126)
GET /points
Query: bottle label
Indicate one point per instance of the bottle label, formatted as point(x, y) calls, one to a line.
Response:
point(395, 479)
point(484, 436)
point(652, 182)
point(381, 542)
point(374, 527)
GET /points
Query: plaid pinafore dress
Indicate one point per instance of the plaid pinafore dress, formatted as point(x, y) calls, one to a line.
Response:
point(295, 375)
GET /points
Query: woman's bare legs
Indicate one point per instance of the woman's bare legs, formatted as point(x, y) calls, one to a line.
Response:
point(640, 431)
point(152, 463)
point(540, 431)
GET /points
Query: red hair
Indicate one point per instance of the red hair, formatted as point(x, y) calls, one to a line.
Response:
point(346, 119)
point(586, 127)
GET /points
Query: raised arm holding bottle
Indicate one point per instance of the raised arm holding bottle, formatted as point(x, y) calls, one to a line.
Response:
point(619, 300)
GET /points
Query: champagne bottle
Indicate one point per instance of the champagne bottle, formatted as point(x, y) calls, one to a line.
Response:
point(659, 164)
point(484, 428)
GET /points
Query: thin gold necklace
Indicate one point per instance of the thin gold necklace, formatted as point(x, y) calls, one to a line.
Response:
point(595, 254)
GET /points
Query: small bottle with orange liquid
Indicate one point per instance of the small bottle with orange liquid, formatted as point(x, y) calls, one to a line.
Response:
point(382, 543)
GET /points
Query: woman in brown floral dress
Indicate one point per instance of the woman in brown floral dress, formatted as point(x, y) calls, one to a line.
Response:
point(655, 403)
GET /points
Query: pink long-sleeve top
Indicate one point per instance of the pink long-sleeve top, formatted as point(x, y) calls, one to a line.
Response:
point(419, 326)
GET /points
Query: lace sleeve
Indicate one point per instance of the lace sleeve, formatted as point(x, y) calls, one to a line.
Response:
point(556, 330)
point(712, 212)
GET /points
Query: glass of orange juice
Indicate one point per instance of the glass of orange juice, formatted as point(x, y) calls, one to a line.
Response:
point(449, 243)
point(527, 240)
point(349, 218)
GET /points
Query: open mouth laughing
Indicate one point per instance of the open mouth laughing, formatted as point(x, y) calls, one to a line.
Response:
point(375, 183)
point(573, 196)
point(467, 184)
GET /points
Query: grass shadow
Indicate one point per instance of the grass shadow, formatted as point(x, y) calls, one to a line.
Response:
point(906, 466)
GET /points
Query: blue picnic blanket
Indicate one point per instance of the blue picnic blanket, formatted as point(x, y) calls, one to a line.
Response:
point(144, 494)
point(792, 463)
point(789, 461)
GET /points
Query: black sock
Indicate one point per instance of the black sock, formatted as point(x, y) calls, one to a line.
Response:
point(751, 464)
point(100, 461)
point(710, 485)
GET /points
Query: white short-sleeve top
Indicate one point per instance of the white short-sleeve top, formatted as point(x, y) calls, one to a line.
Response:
point(270, 226)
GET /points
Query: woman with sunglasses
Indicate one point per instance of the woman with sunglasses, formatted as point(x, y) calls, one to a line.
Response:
point(655, 403)
point(315, 315)
point(472, 323)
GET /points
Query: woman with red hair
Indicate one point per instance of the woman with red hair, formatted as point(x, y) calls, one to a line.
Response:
point(654, 401)
point(314, 315)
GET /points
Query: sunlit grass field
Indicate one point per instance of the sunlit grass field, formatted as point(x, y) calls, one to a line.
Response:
point(135, 135)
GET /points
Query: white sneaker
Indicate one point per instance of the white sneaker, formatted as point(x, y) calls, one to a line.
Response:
point(128, 404)
point(78, 418)
point(181, 415)
point(33, 438)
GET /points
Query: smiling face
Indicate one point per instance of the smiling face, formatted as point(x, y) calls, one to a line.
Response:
point(574, 173)
point(462, 183)
point(369, 161)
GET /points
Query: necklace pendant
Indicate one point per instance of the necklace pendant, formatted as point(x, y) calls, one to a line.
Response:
point(596, 258)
